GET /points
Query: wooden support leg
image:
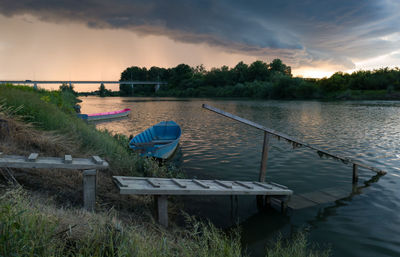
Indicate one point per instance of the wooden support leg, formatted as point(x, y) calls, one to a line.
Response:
point(264, 158)
point(260, 202)
point(89, 189)
point(284, 203)
point(162, 210)
point(355, 173)
point(267, 201)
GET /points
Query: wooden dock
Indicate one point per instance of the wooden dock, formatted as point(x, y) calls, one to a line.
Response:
point(88, 165)
point(163, 187)
point(327, 195)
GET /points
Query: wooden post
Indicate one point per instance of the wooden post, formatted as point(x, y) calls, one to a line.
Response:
point(355, 173)
point(264, 158)
point(89, 189)
point(162, 210)
point(260, 202)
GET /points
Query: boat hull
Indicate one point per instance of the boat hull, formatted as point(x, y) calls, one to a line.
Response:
point(105, 115)
point(159, 141)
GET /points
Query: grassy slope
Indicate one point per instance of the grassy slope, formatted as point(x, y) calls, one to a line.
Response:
point(52, 111)
point(29, 227)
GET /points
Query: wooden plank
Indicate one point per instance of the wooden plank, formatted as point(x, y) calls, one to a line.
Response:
point(67, 159)
point(278, 185)
point(223, 184)
point(153, 183)
point(89, 190)
point(291, 139)
point(319, 197)
point(182, 185)
point(262, 185)
point(14, 161)
point(33, 157)
point(244, 185)
point(97, 159)
point(336, 192)
point(200, 183)
point(264, 158)
point(298, 202)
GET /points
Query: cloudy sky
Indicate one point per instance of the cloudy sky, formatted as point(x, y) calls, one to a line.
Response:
point(98, 39)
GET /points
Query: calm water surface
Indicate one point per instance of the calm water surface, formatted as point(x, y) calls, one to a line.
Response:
point(367, 223)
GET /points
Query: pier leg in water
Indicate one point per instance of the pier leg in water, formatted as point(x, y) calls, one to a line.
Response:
point(264, 158)
point(263, 169)
point(260, 202)
point(267, 203)
point(355, 173)
point(89, 189)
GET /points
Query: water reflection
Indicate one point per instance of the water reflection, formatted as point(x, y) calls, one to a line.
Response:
point(213, 147)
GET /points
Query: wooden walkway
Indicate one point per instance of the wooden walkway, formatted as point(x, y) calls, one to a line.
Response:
point(33, 161)
point(88, 165)
point(327, 195)
point(162, 187)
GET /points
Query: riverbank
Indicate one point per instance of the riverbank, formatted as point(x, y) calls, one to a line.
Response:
point(346, 95)
point(45, 219)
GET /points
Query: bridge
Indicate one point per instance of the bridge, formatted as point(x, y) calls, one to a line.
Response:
point(70, 82)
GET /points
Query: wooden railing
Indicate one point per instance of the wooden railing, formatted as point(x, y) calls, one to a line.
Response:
point(296, 143)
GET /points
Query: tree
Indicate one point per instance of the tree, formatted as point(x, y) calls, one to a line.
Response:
point(240, 72)
point(278, 66)
point(258, 70)
point(67, 88)
point(130, 74)
point(102, 90)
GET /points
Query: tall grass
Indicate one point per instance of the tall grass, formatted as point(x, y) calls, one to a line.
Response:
point(53, 111)
point(298, 246)
point(31, 228)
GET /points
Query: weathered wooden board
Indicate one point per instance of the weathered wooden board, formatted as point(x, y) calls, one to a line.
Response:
point(300, 201)
point(36, 162)
point(297, 202)
point(141, 186)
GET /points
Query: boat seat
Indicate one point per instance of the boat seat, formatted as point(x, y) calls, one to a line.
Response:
point(162, 141)
point(152, 143)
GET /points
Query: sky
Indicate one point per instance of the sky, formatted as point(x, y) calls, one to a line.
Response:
point(98, 39)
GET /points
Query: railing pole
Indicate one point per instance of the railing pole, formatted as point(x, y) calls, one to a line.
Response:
point(355, 173)
point(264, 158)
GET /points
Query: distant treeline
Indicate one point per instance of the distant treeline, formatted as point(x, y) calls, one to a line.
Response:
point(259, 80)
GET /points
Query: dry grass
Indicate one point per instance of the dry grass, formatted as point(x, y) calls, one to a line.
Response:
point(21, 138)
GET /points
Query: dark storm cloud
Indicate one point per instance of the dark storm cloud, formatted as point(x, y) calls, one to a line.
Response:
point(300, 32)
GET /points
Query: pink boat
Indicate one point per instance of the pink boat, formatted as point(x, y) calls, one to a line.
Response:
point(105, 115)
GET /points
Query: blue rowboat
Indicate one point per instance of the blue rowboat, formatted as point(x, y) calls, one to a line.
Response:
point(159, 141)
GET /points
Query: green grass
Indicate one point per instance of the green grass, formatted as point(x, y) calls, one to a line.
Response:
point(31, 227)
point(52, 111)
point(298, 246)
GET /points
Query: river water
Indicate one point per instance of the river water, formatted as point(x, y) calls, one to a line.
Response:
point(366, 223)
